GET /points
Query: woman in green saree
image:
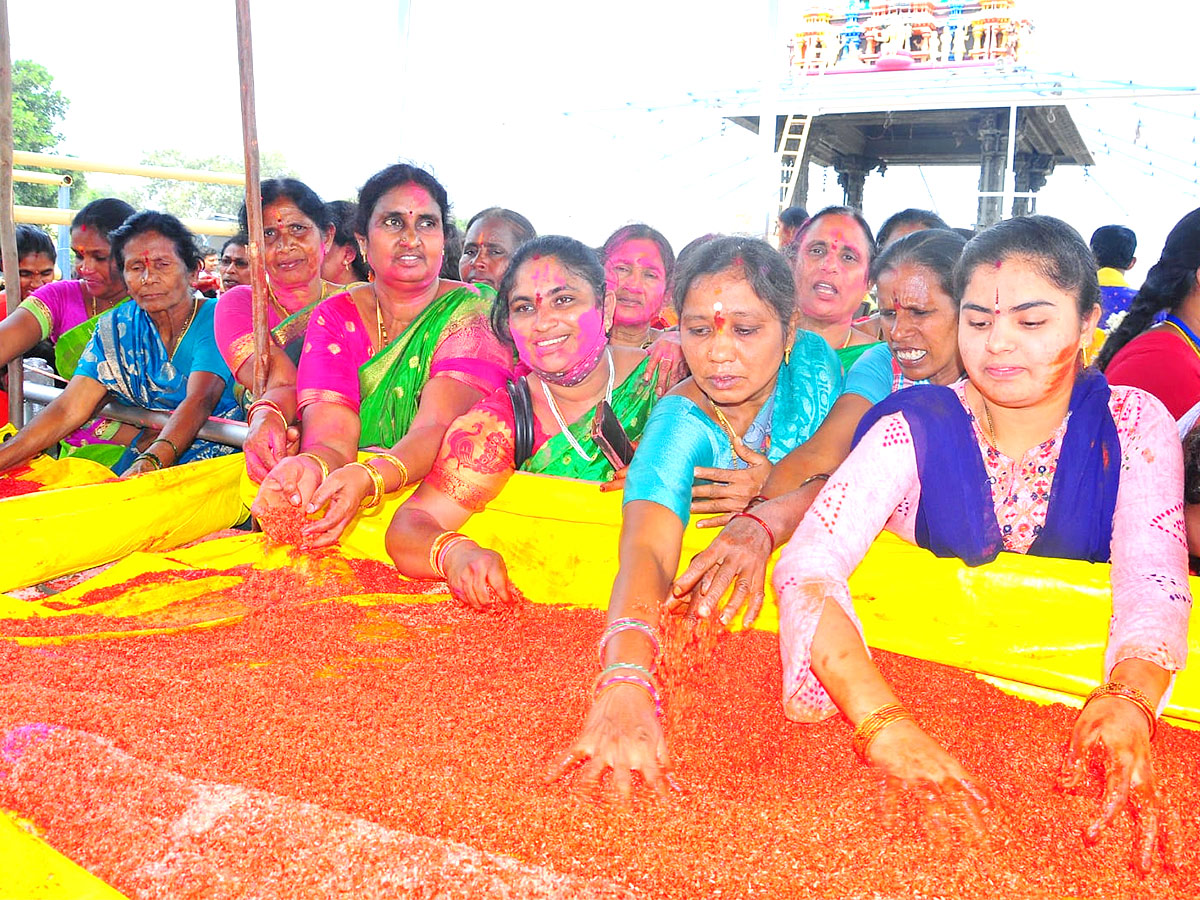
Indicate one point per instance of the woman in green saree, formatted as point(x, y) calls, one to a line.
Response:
point(388, 364)
point(553, 305)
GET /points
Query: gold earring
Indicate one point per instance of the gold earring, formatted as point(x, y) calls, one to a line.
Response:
point(787, 356)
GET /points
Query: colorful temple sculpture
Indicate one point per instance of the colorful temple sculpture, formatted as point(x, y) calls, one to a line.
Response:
point(875, 84)
point(897, 35)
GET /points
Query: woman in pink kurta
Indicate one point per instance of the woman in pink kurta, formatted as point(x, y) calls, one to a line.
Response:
point(297, 232)
point(1030, 455)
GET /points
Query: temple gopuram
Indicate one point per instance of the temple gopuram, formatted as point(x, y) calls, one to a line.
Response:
point(872, 85)
point(901, 34)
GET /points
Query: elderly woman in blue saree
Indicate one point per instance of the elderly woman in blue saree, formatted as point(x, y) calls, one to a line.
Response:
point(759, 387)
point(157, 353)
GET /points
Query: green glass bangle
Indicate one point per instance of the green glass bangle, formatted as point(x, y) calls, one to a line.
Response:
point(612, 667)
point(158, 463)
point(168, 442)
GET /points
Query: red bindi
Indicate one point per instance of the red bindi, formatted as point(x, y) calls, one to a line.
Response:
point(718, 318)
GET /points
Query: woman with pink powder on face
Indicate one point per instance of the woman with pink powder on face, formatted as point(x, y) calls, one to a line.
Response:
point(554, 307)
point(638, 266)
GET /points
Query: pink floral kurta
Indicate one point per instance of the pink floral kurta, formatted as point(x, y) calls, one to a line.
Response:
point(878, 487)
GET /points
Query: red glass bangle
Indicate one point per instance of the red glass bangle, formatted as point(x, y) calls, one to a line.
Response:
point(765, 526)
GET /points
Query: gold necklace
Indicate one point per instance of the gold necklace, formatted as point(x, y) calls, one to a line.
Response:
point(382, 330)
point(987, 411)
point(186, 325)
point(723, 422)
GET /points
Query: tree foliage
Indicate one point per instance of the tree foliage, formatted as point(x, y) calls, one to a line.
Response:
point(196, 199)
point(38, 110)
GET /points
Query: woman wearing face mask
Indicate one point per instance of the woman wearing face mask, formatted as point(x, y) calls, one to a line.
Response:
point(756, 380)
point(1030, 454)
point(553, 306)
point(157, 353)
point(297, 233)
point(388, 364)
point(920, 321)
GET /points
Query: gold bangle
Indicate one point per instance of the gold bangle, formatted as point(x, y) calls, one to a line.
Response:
point(437, 551)
point(1133, 695)
point(870, 727)
point(268, 405)
point(320, 462)
point(376, 483)
point(395, 461)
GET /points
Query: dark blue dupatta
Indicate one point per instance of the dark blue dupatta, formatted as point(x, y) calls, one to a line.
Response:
point(956, 515)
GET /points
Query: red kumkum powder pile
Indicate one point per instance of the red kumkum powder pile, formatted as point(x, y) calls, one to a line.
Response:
point(292, 754)
point(13, 485)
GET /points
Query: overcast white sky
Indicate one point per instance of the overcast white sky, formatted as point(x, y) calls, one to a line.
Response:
point(539, 104)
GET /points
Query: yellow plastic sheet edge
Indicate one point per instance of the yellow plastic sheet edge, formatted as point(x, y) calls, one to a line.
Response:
point(1041, 623)
point(58, 532)
point(33, 870)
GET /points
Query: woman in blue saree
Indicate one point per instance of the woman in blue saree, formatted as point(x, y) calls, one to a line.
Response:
point(158, 353)
point(757, 385)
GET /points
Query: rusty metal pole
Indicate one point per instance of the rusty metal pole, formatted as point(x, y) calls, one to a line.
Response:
point(8, 228)
point(254, 220)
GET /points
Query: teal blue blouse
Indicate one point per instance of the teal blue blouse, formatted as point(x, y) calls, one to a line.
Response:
point(680, 436)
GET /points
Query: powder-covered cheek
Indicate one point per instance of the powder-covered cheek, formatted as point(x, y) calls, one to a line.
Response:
point(524, 344)
point(591, 331)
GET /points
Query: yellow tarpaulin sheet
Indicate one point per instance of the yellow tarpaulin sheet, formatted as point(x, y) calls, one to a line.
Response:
point(1029, 622)
point(33, 870)
point(78, 525)
point(1038, 626)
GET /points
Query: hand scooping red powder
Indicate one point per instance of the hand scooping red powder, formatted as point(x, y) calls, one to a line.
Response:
point(430, 720)
point(283, 524)
point(14, 484)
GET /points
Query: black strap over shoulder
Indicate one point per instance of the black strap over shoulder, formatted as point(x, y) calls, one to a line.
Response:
point(522, 402)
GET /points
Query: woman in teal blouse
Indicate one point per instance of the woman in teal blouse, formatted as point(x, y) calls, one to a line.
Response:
point(757, 385)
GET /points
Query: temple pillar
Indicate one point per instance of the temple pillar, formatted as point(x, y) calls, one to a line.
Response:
point(991, 172)
point(799, 195)
point(1032, 171)
point(852, 173)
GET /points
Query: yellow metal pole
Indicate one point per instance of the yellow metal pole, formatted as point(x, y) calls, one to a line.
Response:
point(8, 228)
point(46, 215)
point(76, 164)
point(52, 178)
point(254, 219)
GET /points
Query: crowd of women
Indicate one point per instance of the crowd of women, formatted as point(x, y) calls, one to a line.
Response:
point(751, 390)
